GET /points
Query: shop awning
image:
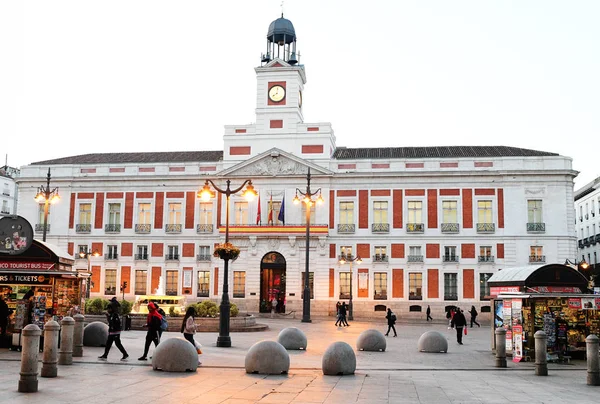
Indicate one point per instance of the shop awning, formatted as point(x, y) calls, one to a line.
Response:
point(539, 275)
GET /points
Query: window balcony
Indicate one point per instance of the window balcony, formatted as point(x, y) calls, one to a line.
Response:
point(204, 228)
point(450, 227)
point(380, 258)
point(346, 228)
point(537, 259)
point(6, 192)
point(112, 228)
point(586, 242)
point(413, 296)
point(142, 228)
point(593, 240)
point(111, 290)
point(172, 257)
point(39, 228)
point(141, 257)
point(5, 212)
point(203, 257)
point(415, 258)
point(485, 258)
point(451, 297)
point(486, 227)
point(536, 227)
point(111, 257)
point(83, 228)
point(344, 295)
point(415, 228)
point(380, 295)
point(598, 238)
point(380, 227)
point(580, 243)
point(171, 292)
point(203, 291)
point(173, 228)
point(450, 258)
point(346, 257)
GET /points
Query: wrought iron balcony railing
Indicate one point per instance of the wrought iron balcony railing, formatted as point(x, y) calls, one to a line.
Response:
point(380, 258)
point(5, 212)
point(111, 290)
point(415, 227)
point(450, 297)
point(586, 242)
point(83, 228)
point(581, 244)
point(39, 228)
point(415, 258)
point(112, 228)
point(141, 257)
point(593, 240)
point(536, 227)
point(203, 292)
point(204, 228)
point(142, 228)
point(346, 257)
point(203, 257)
point(598, 238)
point(537, 259)
point(380, 295)
point(450, 227)
point(485, 258)
point(110, 256)
point(346, 228)
point(172, 257)
point(380, 227)
point(450, 258)
point(173, 228)
point(486, 227)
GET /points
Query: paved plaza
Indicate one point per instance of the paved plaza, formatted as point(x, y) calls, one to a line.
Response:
point(466, 374)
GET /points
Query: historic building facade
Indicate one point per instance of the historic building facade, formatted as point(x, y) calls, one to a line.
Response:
point(587, 223)
point(430, 224)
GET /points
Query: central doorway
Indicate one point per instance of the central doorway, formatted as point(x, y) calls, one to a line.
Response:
point(272, 283)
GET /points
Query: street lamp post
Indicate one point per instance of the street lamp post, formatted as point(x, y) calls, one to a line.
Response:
point(347, 258)
point(224, 340)
point(48, 196)
point(308, 201)
point(87, 255)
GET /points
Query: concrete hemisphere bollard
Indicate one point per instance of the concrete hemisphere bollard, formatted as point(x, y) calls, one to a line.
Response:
point(175, 355)
point(50, 356)
point(28, 382)
point(433, 341)
point(95, 334)
point(371, 340)
point(500, 347)
point(65, 355)
point(593, 360)
point(292, 338)
point(267, 358)
point(78, 336)
point(541, 361)
point(339, 359)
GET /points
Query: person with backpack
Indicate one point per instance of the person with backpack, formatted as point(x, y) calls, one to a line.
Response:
point(474, 313)
point(391, 320)
point(153, 322)
point(114, 334)
point(188, 328)
point(458, 321)
point(164, 325)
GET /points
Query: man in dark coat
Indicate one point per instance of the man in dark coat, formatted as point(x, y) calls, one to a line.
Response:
point(391, 320)
point(459, 321)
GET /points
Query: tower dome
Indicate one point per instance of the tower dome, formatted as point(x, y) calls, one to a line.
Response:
point(281, 42)
point(281, 31)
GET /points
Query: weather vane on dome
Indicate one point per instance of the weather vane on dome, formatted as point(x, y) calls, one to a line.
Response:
point(282, 1)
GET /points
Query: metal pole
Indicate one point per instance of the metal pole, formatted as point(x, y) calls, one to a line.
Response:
point(306, 295)
point(224, 340)
point(350, 315)
point(46, 203)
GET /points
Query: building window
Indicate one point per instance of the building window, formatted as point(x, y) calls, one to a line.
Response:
point(85, 213)
point(380, 254)
point(415, 212)
point(346, 252)
point(206, 213)
point(141, 280)
point(414, 254)
point(484, 212)
point(172, 281)
point(485, 254)
point(41, 213)
point(204, 253)
point(174, 213)
point(114, 213)
point(240, 213)
point(380, 285)
point(239, 284)
point(172, 252)
point(380, 212)
point(450, 254)
point(415, 286)
point(345, 285)
point(312, 214)
point(110, 282)
point(203, 283)
point(449, 212)
point(142, 252)
point(346, 212)
point(484, 289)
point(534, 211)
point(311, 283)
point(82, 249)
point(112, 253)
point(144, 213)
point(536, 254)
point(450, 286)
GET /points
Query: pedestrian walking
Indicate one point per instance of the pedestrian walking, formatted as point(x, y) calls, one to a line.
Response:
point(343, 312)
point(391, 320)
point(188, 328)
point(450, 316)
point(429, 313)
point(474, 313)
point(458, 321)
point(114, 334)
point(115, 305)
point(153, 322)
point(163, 315)
point(338, 317)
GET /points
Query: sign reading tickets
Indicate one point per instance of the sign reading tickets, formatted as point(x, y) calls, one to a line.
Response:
point(16, 235)
point(24, 279)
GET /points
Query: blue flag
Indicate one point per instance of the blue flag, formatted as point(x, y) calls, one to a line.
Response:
point(281, 216)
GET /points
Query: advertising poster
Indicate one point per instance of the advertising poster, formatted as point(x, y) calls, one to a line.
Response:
point(575, 303)
point(589, 303)
point(187, 279)
point(518, 343)
point(517, 305)
point(507, 319)
point(509, 340)
point(498, 313)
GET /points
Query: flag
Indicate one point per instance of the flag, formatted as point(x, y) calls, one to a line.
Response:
point(281, 216)
point(258, 212)
point(270, 219)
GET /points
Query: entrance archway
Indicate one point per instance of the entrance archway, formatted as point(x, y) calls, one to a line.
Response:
point(272, 283)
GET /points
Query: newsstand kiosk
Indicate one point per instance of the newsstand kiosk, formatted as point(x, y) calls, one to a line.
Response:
point(552, 298)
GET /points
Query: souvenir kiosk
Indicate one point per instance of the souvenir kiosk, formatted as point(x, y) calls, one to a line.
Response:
point(552, 298)
point(38, 285)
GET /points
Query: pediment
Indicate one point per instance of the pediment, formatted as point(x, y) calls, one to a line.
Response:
point(274, 163)
point(276, 62)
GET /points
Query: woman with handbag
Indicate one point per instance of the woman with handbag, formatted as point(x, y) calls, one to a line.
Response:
point(188, 328)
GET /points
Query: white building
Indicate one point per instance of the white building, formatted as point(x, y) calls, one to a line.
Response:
point(8, 190)
point(431, 224)
point(587, 222)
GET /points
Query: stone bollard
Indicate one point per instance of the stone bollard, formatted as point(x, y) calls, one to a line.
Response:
point(593, 360)
point(30, 342)
point(65, 355)
point(500, 347)
point(541, 361)
point(78, 335)
point(50, 356)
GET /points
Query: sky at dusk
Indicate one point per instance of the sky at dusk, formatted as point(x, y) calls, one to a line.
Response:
point(107, 76)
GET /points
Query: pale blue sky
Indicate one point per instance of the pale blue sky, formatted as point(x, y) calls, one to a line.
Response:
point(103, 76)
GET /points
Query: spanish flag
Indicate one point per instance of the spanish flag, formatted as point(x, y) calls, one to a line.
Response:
point(258, 212)
point(270, 220)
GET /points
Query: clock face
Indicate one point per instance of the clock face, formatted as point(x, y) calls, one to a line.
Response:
point(276, 93)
